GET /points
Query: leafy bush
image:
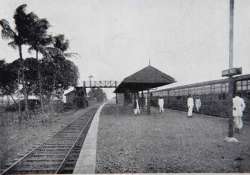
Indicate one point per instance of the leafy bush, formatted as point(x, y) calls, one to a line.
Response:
point(32, 104)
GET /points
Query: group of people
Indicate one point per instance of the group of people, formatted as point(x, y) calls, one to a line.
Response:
point(139, 104)
point(237, 112)
point(191, 103)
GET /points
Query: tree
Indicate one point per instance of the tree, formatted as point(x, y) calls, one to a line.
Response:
point(18, 37)
point(62, 72)
point(8, 79)
point(38, 40)
point(30, 73)
point(97, 93)
point(65, 72)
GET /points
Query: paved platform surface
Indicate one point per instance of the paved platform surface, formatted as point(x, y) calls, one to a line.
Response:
point(168, 142)
point(87, 159)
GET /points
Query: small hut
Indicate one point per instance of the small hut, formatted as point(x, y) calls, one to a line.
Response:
point(145, 79)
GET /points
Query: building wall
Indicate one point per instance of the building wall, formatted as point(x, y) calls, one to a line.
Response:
point(70, 98)
point(120, 99)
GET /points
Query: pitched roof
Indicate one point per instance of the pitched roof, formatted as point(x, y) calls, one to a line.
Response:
point(146, 78)
point(69, 93)
point(76, 89)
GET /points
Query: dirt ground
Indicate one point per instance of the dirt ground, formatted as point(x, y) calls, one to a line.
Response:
point(17, 139)
point(168, 143)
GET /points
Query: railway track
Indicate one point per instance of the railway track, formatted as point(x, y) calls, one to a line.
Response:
point(58, 155)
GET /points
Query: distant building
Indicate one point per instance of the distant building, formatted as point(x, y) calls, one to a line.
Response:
point(70, 96)
point(79, 93)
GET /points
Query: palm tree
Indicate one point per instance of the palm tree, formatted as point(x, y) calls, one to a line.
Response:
point(18, 37)
point(58, 54)
point(38, 40)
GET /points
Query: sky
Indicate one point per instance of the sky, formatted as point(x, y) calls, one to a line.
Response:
point(187, 39)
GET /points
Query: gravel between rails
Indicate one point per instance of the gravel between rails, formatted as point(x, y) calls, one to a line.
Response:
point(168, 143)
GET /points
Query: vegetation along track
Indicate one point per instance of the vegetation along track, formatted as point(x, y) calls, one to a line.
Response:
point(59, 153)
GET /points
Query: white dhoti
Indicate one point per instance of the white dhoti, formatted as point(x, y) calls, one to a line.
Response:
point(197, 104)
point(238, 122)
point(190, 111)
point(190, 105)
point(161, 109)
point(161, 105)
point(137, 109)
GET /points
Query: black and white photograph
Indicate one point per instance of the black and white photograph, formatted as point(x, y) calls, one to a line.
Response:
point(124, 86)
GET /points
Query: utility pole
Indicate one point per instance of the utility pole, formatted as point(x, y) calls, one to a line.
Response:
point(230, 78)
point(231, 34)
point(231, 71)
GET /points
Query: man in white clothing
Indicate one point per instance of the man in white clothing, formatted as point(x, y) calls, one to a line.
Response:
point(238, 108)
point(198, 104)
point(190, 105)
point(137, 109)
point(161, 104)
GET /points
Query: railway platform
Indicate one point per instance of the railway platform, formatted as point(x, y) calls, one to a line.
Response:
point(87, 158)
point(168, 142)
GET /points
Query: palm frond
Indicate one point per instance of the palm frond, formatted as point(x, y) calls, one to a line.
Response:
point(54, 51)
point(12, 44)
point(45, 53)
point(30, 49)
point(7, 32)
point(71, 54)
point(61, 43)
point(21, 8)
point(32, 17)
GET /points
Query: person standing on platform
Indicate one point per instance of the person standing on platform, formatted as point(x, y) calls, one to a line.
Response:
point(198, 104)
point(238, 108)
point(190, 105)
point(146, 101)
point(161, 104)
point(136, 107)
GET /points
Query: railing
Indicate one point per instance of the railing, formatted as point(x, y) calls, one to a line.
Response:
point(100, 84)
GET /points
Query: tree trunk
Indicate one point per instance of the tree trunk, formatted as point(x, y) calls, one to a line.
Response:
point(23, 80)
point(53, 93)
point(39, 82)
point(19, 101)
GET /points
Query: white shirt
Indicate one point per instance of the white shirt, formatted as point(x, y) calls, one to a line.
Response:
point(160, 102)
point(198, 102)
point(190, 102)
point(238, 106)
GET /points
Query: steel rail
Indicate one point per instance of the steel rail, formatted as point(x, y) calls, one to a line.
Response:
point(72, 147)
point(42, 144)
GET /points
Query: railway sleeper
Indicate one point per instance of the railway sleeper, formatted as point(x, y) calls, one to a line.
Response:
point(56, 146)
point(45, 158)
point(47, 154)
point(38, 171)
point(45, 163)
point(57, 149)
point(60, 141)
point(37, 165)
